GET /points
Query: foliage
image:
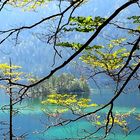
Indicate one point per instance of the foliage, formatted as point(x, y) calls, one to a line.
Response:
point(7, 71)
point(68, 102)
point(13, 72)
point(110, 59)
point(5, 66)
point(136, 19)
point(77, 46)
point(64, 83)
point(63, 103)
point(84, 24)
point(28, 4)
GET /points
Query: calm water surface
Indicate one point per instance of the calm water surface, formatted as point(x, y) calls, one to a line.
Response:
point(32, 120)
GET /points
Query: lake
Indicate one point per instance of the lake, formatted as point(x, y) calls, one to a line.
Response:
point(32, 120)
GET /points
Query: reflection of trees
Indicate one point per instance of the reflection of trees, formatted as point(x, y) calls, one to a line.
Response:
point(65, 83)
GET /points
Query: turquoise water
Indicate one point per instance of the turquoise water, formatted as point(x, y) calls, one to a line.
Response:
point(31, 120)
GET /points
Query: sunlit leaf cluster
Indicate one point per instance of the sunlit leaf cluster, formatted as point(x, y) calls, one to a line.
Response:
point(7, 71)
point(136, 20)
point(68, 102)
point(110, 57)
point(77, 46)
point(121, 119)
point(13, 73)
point(85, 24)
point(28, 4)
point(106, 61)
point(5, 66)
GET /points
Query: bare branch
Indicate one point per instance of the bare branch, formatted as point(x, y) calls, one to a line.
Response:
point(87, 43)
